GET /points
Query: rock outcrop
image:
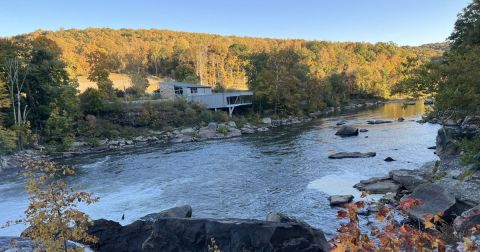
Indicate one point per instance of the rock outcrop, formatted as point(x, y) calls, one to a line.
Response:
point(279, 233)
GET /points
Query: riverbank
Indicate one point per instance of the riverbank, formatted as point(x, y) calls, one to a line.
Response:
point(210, 131)
point(247, 177)
point(177, 135)
point(448, 187)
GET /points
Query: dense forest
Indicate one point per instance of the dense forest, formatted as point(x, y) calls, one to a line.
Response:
point(454, 78)
point(40, 101)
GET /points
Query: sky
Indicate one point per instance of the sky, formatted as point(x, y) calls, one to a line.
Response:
point(405, 22)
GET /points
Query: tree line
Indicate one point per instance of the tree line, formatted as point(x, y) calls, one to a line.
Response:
point(39, 101)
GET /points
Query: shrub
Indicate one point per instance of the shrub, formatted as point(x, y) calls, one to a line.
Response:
point(223, 130)
point(52, 211)
point(471, 150)
point(8, 140)
point(91, 101)
point(205, 116)
point(220, 116)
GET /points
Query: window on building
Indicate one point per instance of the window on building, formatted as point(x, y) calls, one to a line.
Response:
point(193, 90)
point(178, 90)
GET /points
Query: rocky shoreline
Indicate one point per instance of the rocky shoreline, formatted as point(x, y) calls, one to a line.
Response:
point(180, 135)
point(446, 187)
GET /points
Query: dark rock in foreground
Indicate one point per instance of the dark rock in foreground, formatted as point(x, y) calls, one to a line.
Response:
point(337, 200)
point(389, 159)
point(341, 155)
point(347, 131)
point(185, 234)
point(176, 212)
point(467, 220)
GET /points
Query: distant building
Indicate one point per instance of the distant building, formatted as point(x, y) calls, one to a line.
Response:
point(203, 94)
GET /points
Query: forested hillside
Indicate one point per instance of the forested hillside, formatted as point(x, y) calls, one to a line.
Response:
point(39, 73)
point(234, 62)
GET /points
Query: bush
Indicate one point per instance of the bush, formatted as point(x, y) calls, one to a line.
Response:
point(8, 140)
point(471, 150)
point(220, 116)
point(91, 101)
point(205, 116)
point(223, 130)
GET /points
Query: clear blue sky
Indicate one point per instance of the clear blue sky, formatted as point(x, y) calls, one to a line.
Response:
point(405, 22)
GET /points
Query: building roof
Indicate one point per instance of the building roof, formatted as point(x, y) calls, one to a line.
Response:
point(183, 84)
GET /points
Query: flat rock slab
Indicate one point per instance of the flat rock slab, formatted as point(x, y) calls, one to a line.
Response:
point(467, 191)
point(341, 155)
point(410, 179)
point(379, 187)
point(337, 200)
point(378, 121)
point(434, 200)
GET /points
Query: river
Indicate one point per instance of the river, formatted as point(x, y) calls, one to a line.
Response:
point(284, 170)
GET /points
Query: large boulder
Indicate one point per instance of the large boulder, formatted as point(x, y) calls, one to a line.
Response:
point(208, 132)
point(447, 141)
point(233, 235)
point(410, 179)
point(434, 200)
point(182, 234)
point(176, 212)
point(341, 155)
point(347, 131)
point(114, 237)
point(467, 220)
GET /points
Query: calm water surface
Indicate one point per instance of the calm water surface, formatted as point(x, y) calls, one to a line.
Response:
point(285, 170)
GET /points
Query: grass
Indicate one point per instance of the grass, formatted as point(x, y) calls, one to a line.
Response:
point(120, 81)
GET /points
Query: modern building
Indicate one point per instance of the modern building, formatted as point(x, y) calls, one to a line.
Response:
point(203, 94)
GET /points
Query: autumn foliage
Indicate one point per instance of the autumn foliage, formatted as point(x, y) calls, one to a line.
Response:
point(52, 213)
point(387, 234)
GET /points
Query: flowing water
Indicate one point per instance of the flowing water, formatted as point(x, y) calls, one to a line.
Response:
point(284, 170)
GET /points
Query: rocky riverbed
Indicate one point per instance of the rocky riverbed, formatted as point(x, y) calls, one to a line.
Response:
point(284, 170)
point(446, 187)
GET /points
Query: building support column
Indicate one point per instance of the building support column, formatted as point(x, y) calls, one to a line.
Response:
point(230, 111)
